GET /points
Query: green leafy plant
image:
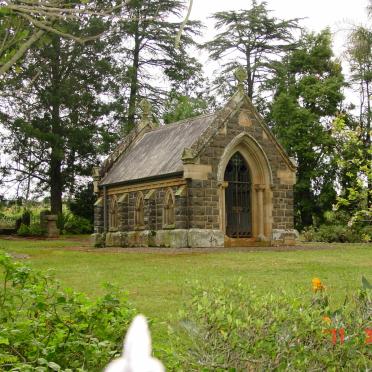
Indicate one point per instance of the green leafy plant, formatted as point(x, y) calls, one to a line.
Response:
point(232, 327)
point(82, 204)
point(26, 217)
point(43, 327)
point(34, 229)
point(339, 226)
point(77, 225)
point(23, 230)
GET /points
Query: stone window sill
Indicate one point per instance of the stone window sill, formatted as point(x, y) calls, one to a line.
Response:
point(139, 227)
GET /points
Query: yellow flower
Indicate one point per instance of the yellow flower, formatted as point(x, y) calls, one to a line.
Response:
point(317, 285)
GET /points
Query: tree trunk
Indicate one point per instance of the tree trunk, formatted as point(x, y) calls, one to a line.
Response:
point(368, 146)
point(134, 80)
point(56, 184)
point(57, 151)
point(250, 81)
point(304, 199)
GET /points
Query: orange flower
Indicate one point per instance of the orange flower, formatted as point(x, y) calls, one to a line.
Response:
point(327, 319)
point(317, 285)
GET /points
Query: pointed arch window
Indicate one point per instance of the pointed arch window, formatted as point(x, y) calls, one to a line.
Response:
point(139, 211)
point(238, 198)
point(169, 219)
point(113, 213)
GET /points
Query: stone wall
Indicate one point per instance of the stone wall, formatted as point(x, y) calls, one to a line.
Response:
point(203, 195)
point(98, 219)
point(198, 206)
point(153, 211)
point(204, 204)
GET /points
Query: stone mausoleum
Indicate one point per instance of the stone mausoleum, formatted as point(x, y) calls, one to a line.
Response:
point(214, 180)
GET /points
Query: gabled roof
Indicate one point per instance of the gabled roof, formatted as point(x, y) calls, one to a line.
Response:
point(158, 152)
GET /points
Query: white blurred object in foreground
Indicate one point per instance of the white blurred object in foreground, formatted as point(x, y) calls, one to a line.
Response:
point(137, 350)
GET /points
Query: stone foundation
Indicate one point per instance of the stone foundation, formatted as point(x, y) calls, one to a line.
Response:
point(284, 237)
point(177, 238)
point(182, 238)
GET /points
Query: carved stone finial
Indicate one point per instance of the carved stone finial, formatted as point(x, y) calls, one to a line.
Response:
point(96, 177)
point(146, 107)
point(241, 75)
point(188, 156)
point(96, 173)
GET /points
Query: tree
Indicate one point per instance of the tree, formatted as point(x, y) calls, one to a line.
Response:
point(24, 22)
point(308, 92)
point(354, 167)
point(250, 38)
point(179, 107)
point(359, 53)
point(82, 203)
point(53, 110)
point(148, 53)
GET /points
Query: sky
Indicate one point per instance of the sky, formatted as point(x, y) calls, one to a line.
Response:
point(338, 15)
point(318, 14)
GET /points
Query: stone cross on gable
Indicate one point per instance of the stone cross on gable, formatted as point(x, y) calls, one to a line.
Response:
point(241, 75)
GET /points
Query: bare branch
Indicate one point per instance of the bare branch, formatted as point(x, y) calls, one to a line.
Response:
point(183, 24)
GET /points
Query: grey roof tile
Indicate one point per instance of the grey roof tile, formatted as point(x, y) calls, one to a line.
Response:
point(158, 152)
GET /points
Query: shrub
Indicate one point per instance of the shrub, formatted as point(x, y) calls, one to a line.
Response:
point(365, 233)
point(78, 225)
point(82, 204)
point(61, 220)
point(340, 227)
point(26, 218)
point(337, 233)
point(35, 229)
point(23, 230)
point(43, 327)
point(231, 327)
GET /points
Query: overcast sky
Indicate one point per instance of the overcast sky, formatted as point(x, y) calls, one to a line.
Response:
point(339, 15)
point(318, 14)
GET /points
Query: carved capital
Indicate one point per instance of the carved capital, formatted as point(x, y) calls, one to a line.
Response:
point(223, 184)
point(259, 187)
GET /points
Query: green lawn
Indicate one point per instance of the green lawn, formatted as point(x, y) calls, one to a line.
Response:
point(157, 282)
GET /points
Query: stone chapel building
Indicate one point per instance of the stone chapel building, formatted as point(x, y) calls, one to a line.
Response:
point(214, 180)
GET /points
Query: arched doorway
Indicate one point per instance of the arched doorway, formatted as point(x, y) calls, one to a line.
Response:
point(260, 178)
point(238, 198)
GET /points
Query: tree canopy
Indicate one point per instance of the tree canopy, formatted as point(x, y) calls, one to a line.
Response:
point(72, 74)
point(308, 94)
point(251, 38)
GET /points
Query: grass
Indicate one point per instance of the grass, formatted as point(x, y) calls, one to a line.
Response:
point(157, 282)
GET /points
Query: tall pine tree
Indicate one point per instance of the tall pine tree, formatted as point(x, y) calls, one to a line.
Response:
point(250, 38)
point(148, 56)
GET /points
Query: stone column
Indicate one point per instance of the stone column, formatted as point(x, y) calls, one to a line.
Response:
point(52, 230)
point(260, 211)
point(221, 188)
